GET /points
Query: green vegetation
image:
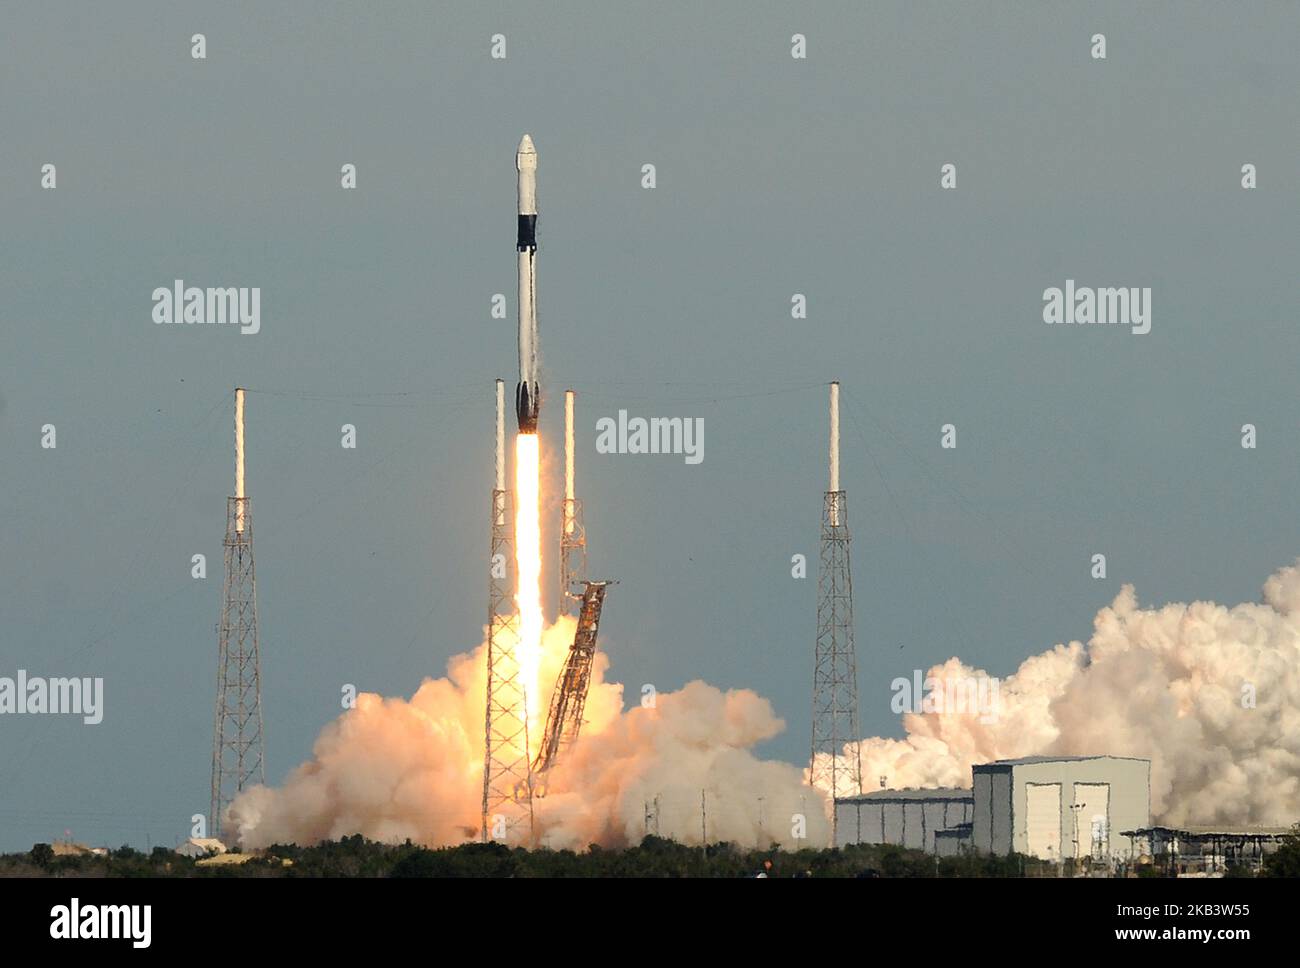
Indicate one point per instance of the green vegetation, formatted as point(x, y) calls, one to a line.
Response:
point(653, 857)
point(1285, 861)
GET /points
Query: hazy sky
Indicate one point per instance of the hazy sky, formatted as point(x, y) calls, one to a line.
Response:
point(775, 176)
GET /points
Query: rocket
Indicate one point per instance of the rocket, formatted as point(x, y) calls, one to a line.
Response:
point(527, 394)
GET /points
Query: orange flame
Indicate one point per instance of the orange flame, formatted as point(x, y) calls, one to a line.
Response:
point(528, 565)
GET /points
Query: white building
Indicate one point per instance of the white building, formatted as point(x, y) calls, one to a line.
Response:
point(1058, 807)
point(1051, 807)
point(908, 818)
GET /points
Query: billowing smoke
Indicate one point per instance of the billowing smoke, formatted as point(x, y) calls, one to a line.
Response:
point(396, 769)
point(1210, 694)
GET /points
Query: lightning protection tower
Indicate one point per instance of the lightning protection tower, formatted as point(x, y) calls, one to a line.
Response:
point(237, 744)
point(833, 767)
point(573, 535)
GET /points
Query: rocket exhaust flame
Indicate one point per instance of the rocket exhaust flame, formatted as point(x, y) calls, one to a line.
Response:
point(528, 568)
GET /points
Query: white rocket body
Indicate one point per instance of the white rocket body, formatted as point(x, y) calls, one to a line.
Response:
point(527, 393)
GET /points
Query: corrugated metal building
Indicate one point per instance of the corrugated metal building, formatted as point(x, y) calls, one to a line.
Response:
point(908, 818)
point(1054, 807)
point(951, 843)
point(1043, 806)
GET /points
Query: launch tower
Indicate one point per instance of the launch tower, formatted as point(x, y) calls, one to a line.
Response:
point(237, 745)
point(507, 777)
point(835, 763)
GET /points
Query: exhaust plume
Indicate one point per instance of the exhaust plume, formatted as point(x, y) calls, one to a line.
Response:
point(397, 769)
point(1209, 693)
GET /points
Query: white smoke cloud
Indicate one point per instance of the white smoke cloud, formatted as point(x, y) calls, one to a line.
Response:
point(694, 740)
point(1210, 694)
point(393, 769)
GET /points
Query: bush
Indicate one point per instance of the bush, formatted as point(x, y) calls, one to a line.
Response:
point(1285, 861)
point(41, 855)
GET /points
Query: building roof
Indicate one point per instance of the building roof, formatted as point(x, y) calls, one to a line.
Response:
point(200, 846)
point(911, 794)
point(224, 860)
point(1033, 760)
point(228, 860)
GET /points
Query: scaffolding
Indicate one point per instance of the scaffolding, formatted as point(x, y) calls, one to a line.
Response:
point(569, 698)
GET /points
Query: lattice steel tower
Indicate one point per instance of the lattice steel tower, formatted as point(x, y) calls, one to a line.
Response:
point(507, 773)
point(833, 768)
point(573, 535)
point(237, 745)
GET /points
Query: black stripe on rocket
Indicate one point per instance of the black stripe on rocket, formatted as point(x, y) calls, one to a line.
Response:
point(527, 233)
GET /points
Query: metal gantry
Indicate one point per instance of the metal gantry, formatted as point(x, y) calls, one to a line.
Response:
point(507, 775)
point(237, 744)
point(835, 764)
point(569, 698)
point(573, 554)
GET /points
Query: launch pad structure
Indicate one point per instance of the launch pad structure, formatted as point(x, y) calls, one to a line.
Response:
point(835, 764)
point(569, 697)
point(507, 774)
point(511, 777)
point(510, 772)
point(238, 753)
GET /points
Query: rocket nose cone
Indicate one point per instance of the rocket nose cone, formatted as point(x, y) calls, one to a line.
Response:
point(526, 156)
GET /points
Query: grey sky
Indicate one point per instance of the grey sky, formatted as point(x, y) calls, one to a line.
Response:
point(775, 176)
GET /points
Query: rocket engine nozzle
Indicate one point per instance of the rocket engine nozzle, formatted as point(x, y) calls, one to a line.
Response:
point(528, 401)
